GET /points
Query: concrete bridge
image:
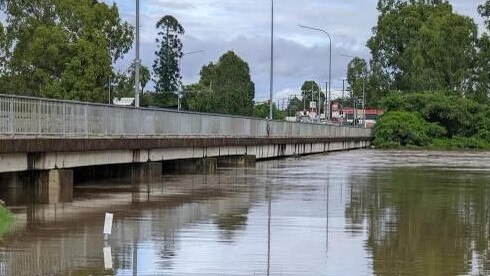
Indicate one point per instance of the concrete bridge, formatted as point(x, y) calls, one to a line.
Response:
point(50, 139)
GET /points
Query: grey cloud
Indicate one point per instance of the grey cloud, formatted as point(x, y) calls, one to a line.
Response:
point(244, 26)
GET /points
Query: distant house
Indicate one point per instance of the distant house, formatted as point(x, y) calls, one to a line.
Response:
point(123, 101)
point(372, 116)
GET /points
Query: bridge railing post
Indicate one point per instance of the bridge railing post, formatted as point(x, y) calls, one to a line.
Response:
point(85, 114)
point(106, 120)
point(39, 119)
point(63, 118)
point(11, 117)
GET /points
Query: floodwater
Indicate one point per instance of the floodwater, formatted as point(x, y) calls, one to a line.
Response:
point(350, 213)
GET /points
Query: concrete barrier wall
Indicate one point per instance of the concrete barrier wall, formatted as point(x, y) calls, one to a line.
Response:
point(35, 117)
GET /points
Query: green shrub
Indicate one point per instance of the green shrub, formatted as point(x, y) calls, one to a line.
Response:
point(439, 119)
point(459, 142)
point(459, 116)
point(403, 129)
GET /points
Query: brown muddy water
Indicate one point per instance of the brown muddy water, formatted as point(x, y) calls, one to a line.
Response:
point(350, 213)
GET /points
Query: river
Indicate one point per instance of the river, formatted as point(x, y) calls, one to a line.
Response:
point(361, 212)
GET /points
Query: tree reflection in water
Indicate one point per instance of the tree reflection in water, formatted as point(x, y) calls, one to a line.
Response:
point(423, 221)
point(230, 223)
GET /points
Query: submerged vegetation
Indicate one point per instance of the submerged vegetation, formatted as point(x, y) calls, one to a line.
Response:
point(434, 120)
point(5, 220)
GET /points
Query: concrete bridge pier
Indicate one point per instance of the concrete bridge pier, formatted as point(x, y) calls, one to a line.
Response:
point(16, 187)
point(191, 166)
point(44, 187)
point(246, 161)
point(146, 172)
point(54, 186)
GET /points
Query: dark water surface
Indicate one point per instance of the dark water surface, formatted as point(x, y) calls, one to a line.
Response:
point(351, 213)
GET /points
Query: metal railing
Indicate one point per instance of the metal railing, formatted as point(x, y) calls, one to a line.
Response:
point(36, 117)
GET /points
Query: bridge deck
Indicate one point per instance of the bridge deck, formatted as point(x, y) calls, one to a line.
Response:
point(38, 145)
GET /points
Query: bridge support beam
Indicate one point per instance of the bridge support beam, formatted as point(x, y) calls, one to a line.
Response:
point(245, 161)
point(55, 186)
point(146, 172)
point(191, 166)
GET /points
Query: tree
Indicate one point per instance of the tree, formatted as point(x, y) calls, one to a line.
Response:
point(207, 74)
point(377, 85)
point(401, 128)
point(309, 93)
point(481, 86)
point(423, 45)
point(225, 87)
point(166, 65)
point(263, 110)
point(197, 98)
point(295, 105)
point(357, 74)
point(62, 48)
point(145, 75)
point(123, 83)
point(200, 96)
point(233, 86)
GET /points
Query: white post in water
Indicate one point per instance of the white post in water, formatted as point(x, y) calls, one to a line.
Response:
point(107, 258)
point(108, 225)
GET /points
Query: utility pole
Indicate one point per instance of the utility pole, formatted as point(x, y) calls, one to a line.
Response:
point(355, 112)
point(110, 91)
point(327, 108)
point(304, 102)
point(272, 62)
point(343, 89)
point(364, 101)
point(137, 58)
point(319, 107)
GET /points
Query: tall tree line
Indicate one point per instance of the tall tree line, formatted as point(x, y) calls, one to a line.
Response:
point(224, 87)
point(425, 46)
point(66, 49)
point(61, 48)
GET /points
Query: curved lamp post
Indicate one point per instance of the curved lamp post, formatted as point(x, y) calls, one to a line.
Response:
point(272, 63)
point(180, 71)
point(329, 68)
point(137, 61)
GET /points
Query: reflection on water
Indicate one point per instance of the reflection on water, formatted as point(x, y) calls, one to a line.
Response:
point(353, 213)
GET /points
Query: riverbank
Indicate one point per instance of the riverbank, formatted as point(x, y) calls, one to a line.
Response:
point(5, 220)
point(454, 144)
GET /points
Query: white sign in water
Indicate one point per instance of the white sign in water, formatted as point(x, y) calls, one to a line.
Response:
point(108, 223)
point(107, 258)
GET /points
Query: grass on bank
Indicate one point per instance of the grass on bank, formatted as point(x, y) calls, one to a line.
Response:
point(5, 220)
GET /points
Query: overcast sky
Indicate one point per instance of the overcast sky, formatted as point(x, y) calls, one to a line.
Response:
point(216, 26)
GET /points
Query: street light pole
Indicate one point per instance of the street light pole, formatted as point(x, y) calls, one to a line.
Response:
point(319, 108)
point(180, 71)
point(364, 101)
point(356, 100)
point(343, 90)
point(272, 63)
point(137, 58)
point(329, 70)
